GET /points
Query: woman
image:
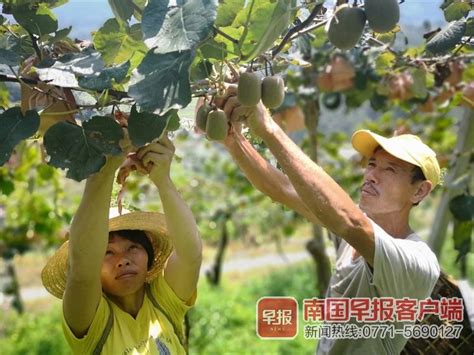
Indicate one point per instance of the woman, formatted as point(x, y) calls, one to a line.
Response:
point(127, 282)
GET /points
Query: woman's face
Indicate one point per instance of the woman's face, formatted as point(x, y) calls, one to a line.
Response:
point(124, 267)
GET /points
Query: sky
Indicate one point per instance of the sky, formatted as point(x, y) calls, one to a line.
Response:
point(88, 15)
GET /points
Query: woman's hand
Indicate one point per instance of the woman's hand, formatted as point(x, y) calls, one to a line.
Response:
point(156, 157)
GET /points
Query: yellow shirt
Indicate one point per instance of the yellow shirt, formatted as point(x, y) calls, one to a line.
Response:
point(149, 333)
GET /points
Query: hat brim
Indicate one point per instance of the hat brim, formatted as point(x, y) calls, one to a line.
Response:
point(365, 142)
point(54, 274)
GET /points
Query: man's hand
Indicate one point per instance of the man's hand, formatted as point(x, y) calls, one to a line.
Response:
point(256, 117)
point(220, 102)
point(156, 157)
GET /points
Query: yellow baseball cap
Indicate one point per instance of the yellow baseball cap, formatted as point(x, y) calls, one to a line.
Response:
point(406, 147)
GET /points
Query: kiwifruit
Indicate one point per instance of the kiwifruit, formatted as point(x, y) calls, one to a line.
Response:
point(216, 126)
point(273, 91)
point(346, 27)
point(331, 100)
point(382, 15)
point(173, 123)
point(249, 90)
point(201, 116)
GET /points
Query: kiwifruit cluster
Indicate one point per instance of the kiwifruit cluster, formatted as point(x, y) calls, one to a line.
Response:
point(212, 121)
point(251, 89)
point(346, 27)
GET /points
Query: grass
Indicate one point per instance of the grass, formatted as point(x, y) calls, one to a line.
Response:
point(224, 318)
point(32, 333)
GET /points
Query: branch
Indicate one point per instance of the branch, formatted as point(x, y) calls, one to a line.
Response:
point(301, 29)
point(225, 35)
point(461, 46)
point(246, 26)
point(443, 59)
point(297, 29)
point(118, 95)
point(380, 43)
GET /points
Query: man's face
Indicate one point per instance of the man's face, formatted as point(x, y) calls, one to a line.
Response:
point(387, 186)
point(124, 267)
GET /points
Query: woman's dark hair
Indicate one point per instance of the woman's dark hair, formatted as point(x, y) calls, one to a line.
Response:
point(140, 237)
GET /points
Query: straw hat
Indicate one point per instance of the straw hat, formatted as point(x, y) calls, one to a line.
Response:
point(54, 273)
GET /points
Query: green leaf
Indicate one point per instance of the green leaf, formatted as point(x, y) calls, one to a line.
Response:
point(153, 17)
point(462, 207)
point(213, 50)
point(267, 21)
point(31, 4)
point(468, 73)
point(60, 35)
point(415, 51)
point(320, 37)
point(20, 44)
point(8, 57)
point(143, 127)
point(430, 80)
point(63, 72)
point(161, 81)
point(55, 3)
point(6, 186)
point(38, 21)
point(106, 78)
point(445, 4)
point(4, 96)
point(470, 27)
point(419, 83)
point(173, 121)
point(388, 37)
point(14, 127)
point(139, 7)
point(227, 11)
point(82, 150)
point(447, 38)
point(118, 44)
point(122, 9)
point(462, 235)
point(384, 63)
point(456, 11)
point(230, 46)
point(45, 172)
point(183, 28)
point(200, 69)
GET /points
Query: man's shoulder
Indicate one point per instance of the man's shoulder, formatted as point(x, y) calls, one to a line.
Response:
point(414, 237)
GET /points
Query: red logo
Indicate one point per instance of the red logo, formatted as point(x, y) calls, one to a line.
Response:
point(277, 317)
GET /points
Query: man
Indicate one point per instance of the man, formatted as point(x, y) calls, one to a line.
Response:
point(380, 255)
